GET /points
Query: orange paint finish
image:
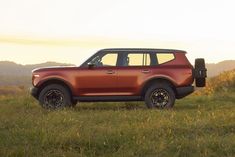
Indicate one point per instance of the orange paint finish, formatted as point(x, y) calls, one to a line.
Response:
point(116, 80)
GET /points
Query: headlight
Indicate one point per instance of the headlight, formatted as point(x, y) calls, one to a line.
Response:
point(36, 76)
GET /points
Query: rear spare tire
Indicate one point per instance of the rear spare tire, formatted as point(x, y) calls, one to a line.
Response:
point(55, 96)
point(200, 72)
point(160, 96)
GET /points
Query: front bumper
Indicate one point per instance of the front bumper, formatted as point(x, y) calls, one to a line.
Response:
point(34, 92)
point(184, 91)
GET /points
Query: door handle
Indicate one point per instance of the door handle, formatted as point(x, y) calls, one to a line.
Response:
point(145, 71)
point(110, 72)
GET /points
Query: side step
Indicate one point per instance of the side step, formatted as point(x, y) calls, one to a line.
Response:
point(107, 98)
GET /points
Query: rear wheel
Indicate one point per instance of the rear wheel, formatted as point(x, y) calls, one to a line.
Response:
point(160, 96)
point(200, 72)
point(55, 97)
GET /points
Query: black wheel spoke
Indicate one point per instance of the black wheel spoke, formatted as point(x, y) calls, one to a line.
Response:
point(160, 98)
point(54, 99)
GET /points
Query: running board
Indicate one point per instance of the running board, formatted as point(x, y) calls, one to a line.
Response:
point(107, 98)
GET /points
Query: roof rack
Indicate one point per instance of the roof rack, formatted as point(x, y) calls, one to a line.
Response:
point(143, 49)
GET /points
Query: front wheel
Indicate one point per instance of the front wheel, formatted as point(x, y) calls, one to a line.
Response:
point(160, 96)
point(55, 97)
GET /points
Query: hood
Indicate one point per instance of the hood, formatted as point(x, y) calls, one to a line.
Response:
point(53, 68)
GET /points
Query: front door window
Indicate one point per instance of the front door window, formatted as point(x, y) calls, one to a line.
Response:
point(109, 59)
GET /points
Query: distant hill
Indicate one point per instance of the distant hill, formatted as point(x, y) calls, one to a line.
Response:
point(17, 74)
point(217, 68)
point(12, 74)
point(12, 69)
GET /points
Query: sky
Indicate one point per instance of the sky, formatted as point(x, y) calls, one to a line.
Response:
point(69, 31)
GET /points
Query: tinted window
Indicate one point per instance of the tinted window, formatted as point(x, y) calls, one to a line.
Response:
point(164, 57)
point(109, 59)
point(137, 59)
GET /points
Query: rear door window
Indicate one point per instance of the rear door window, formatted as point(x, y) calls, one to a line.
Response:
point(137, 59)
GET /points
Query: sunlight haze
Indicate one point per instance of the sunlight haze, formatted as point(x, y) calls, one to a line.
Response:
point(69, 31)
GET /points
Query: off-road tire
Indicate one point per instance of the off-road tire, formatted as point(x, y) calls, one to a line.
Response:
point(55, 96)
point(200, 72)
point(156, 90)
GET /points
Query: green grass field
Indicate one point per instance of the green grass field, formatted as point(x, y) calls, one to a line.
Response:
point(197, 126)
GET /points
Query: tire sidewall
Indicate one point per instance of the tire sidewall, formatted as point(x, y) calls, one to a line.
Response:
point(166, 87)
point(62, 89)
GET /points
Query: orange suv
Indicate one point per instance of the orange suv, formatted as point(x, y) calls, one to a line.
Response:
point(156, 76)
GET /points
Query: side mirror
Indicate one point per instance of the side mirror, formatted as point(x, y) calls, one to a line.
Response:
point(91, 65)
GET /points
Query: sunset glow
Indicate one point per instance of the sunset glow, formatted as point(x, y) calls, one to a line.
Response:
point(70, 31)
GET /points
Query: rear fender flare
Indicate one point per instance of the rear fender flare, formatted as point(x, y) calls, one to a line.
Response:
point(158, 79)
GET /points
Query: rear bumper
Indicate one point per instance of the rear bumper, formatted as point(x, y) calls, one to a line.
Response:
point(184, 91)
point(34, 92)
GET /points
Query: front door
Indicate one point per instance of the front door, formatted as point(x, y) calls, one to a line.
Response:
point(100, 78)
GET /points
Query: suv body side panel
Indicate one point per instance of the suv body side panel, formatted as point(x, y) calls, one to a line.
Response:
point(65, 76)
point(131, 80)
point(96, 81)
point(83, 81)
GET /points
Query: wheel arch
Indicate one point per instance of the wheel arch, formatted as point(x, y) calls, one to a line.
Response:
point(62, 82)
point(151, 81)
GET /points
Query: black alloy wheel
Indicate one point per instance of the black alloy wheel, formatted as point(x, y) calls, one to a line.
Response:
point(160, 98)
point(160, 95)
point(55, 96)
point(54, 99)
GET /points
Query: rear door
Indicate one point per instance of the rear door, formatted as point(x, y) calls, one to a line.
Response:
point(133, 70)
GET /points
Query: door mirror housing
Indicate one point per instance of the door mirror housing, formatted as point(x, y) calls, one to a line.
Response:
point(91, 65)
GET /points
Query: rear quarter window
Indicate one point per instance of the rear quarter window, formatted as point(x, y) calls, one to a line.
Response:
point(164, 57)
